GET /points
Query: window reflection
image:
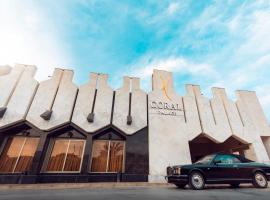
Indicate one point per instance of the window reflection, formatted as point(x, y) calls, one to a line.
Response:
point(27, 155)
point(66, 155)
point(58, 155)
point(107, 156)
point(74, 156)
point(18, 154)
point(99, 156)
point(116, 156)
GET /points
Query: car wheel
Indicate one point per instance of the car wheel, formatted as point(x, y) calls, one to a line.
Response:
point(259, 180)
point(180, 185)
point(235, 185)
point(196, 181)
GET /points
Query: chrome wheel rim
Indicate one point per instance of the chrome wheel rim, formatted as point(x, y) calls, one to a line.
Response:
point(197, 180)
point(260, 180)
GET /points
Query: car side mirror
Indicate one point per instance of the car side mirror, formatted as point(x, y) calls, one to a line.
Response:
point(217, 162)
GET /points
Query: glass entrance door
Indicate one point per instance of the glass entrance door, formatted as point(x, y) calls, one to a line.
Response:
point(108, 156)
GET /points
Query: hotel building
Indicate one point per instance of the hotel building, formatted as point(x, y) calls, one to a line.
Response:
point(56, 131)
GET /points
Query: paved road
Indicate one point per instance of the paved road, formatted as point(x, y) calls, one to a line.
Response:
point(143, 193)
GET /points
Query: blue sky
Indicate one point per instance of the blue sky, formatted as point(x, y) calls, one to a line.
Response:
point(210, 43)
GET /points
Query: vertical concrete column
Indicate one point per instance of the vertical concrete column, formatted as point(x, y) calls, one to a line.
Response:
point(254, 110)
point(266, 142)
point(168, 141)
point(130, 106)
point(250, 153)
point(193, 121)
point(236, 123)
point(121, 104)
point(54, 101)
point(18, 90)
point(94, 104)
point(103, 103)
point(212, 114)
point(254, 121)
point(64, 100)
point(257, 150)
point(8, 84)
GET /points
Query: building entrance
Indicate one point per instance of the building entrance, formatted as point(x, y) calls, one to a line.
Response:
point(203, 145)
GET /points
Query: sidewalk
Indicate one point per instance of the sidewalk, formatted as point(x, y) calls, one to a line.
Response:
point(82, 185)
point(107, 185)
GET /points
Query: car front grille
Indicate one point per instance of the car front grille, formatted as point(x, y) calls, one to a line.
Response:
point(169, 171)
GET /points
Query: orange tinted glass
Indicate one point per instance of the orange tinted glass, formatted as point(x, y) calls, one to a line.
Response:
point(58, 155)
point(27, 154)
point(107, 156)
point(18, 154)
point(99, 156)
point(74, 155)
point(116, 156)
point(10, 155)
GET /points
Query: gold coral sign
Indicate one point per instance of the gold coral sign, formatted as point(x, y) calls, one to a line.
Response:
point(165, 107)
point(164, 88)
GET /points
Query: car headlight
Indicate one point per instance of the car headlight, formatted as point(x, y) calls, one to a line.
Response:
point(177, 170)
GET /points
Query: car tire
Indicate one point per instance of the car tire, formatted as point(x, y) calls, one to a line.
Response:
point(259, 180)
point(180, 185)
point(235, 185)
point(196, 181)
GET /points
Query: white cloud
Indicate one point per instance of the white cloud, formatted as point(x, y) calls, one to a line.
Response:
point(173, 64)
point(166, 12)
point(258, 34)
point(27, 36)
point(173, 7)
point(178, 65)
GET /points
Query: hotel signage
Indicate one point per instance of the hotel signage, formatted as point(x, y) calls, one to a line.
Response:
point(166, 108)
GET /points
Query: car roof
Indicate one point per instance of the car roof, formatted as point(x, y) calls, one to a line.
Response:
point(231, 154)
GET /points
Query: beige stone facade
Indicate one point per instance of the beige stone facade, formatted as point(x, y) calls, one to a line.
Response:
point(180, 128)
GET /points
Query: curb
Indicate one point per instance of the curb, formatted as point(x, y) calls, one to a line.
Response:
point(81, 185)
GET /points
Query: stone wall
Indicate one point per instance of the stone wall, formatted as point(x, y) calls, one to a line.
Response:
point(172, 120)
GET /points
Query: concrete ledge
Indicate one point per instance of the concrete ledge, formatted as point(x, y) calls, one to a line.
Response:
point(56, 186)
point(81, 185)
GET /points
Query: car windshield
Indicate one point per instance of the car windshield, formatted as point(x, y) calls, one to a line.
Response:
point(205, 160)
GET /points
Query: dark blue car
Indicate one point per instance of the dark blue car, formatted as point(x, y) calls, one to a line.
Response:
point(219, 169)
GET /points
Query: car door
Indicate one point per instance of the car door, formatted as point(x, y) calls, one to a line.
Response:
point(225, 167)
point(246, 169)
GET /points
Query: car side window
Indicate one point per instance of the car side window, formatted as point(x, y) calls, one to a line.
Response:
point(227, 159)
point(236, 160)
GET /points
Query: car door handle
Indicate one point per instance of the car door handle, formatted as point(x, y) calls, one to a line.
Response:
point(235, 166)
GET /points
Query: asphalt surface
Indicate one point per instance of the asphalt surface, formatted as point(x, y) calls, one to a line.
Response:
point(130, 193)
